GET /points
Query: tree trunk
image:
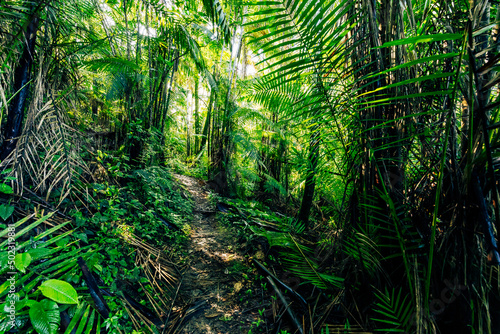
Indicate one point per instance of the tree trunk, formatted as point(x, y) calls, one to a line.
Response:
point(22, 75)
point(188, 123)
point(196, 114)
point(126, 29)
point(168, 100)
point(206, 127)
point(307, 199)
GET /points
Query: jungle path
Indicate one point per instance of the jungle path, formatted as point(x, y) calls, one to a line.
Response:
point(217, 280)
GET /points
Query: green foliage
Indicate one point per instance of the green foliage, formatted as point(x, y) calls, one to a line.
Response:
point(44, 265)
point(398, 103)
point(22, 261)
point(147, 211)
point(6, 189)
point(59, 291)
point(167, 204)
point(44, 316)
point(394, 310)
point(300, 261)
point(6, 211)
point(112, 64)
point(295, 256)
point(216, 13)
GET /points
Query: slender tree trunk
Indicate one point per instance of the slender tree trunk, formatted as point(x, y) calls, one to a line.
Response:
point(168, 100)
point(206, 127)
point(307, 199)
point(188, 124)
point(22, 75)
point(244, 61)
point(139, 39)
point(95, 105)
point(150, 61)
point(196, 114)
point(126, 29)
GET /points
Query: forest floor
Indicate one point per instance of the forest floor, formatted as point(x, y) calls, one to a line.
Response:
point(217, 277)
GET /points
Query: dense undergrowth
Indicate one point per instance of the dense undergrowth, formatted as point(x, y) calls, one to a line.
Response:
point(129, 219)
point(113, 261)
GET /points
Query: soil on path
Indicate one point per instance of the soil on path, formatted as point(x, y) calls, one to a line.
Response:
point(217, 278)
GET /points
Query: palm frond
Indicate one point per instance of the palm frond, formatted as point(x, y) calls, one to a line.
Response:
point(111, 64)
point(299, 259)
point(215, 12)
point(45, 255)
point(395, 310)
point(46, 155)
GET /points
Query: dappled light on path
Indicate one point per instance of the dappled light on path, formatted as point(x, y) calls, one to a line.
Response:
point(213, 259)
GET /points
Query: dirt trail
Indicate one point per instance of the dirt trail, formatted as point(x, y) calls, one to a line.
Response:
point(216, 274)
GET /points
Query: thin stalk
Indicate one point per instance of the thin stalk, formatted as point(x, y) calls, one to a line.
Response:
point(440, 182)
point(397, 224)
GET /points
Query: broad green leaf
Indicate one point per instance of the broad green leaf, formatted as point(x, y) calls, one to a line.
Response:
point(6, 211)
point(22, 261)
point(45, 317)
point(31, 302)
point(62, 242)
point(82, 236)
point(7, 171)
point(59, 291)
point(6, 189)
point(18, 303)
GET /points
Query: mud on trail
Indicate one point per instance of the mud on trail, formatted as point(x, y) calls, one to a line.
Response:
point(218, 283)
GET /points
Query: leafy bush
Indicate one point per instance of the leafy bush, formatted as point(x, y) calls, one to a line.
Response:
point(39, 270)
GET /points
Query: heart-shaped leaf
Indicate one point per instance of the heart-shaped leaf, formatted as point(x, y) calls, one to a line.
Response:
point(62, 242)
point(22, 261)
point(15, 298)
point(6, 211)
point(6, 189)
point(45, 316)
point(59, 291)
point(82, 236)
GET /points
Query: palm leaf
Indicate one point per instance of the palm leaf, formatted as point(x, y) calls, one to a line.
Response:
point(394, 310)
